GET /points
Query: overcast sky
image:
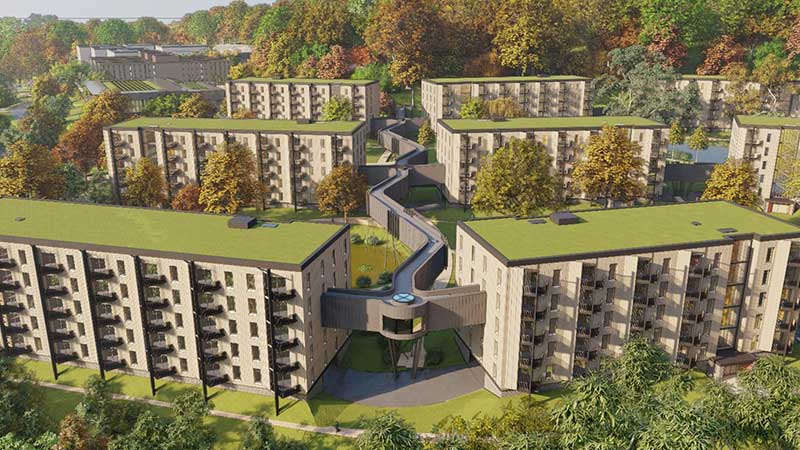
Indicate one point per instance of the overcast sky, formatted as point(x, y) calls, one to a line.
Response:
point(109, 8)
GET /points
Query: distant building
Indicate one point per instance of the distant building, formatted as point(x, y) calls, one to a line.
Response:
point(301, 98)
point(539, 96)
point(714, 91)
point(139, 92)
point(292, 156)
point(461, 145)
point(142, 62)
point(711, 283)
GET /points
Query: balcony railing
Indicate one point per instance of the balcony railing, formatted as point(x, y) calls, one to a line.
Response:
point(7, 263)
point(283, 343)
point(11, 285)
point(16, 328)
point(155, 303)
point(9, 308)
point(102, 274)
point(55, 291)
point(158, 325)
point(208, 285)
point(52, 268)
point(105, 296)
point(154, 279)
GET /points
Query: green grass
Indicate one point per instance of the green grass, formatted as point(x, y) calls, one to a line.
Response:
point(606, 230)
point(528, 123)
point(511, 79)
point(365, 352)
point(228, 431)
point(374, 151)
point(432, 159)
point(76, 110)
point(702, 77)
point(283, 214)
point(372, 260)
point(422, 195)
point(403, 98)
point(446, 218)
point(241, 125)
point(131, 86)
point(307, 80)
point(768, 121)
point(195, 86)
point(169, 231)
point(794, 359)
point(444, 341)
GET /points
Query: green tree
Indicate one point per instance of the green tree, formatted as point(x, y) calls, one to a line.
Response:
point(164, 105)
point(259, 436)
point(337, 108)
point(45, 120)
point(735, 181)
point(149, 432)
point(388, 431)
point(30, 170)
point(741, 98)
point(274, 21)
point(196, 107)
point(342, 191)
point(112, 32)
point(698, 141)
point(516, 179)
point(21, 401)
point(70, 75)
point(699, 23)
point(375, 71)
point(74, 181)
point(677, 135)
point(145, 185)
point(229, 180)
point(774, 75)
point(473, 108)
point(612, 169)
point(8, 95)
point(426, 136)
point(150, 30)
point(188, 431)
point(202, 27)
point(98, 186)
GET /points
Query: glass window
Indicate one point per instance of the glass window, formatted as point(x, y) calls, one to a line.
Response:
point(401, 326)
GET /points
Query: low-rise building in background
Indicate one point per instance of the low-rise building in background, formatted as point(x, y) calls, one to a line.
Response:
point(139, 92)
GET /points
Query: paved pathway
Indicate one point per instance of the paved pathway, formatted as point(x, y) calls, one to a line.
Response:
point(385, 391)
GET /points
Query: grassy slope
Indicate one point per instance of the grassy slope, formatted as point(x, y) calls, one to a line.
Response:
point(374, 151)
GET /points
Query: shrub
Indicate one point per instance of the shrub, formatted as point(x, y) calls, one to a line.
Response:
point(356, 238)
point(372, 240)
point(364, 281)
point(433, 358)
point(385, 278)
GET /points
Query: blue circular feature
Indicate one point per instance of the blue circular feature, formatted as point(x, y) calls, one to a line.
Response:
point(403, 298)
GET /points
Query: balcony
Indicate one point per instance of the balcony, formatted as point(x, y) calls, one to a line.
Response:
point(785, 326)
point(694, 317)
point(700, 271)
point(161, 348)
point(691, 340)
point(113, 364)
point(780, 347)
point(108, 319)
point(283, 294)
point(155, 303)
point(283, 343)
point(212, 357)
point(16, 328)
point(210, 309)
point(105, 296)
point(52, 268)
point(59, 313)
point(6, 286)
point(527, 337)
point(163, 371)
point(790, 282)
point(9, 308)
point(584, 332)
point(102, 274)
point(287, 391)
point(585, 308)
point(65, 357)
point(156, 326)
point(153, 279)
point(216, 379)
point(283, 320)
point(16, 351)
point(534, 290)
point(110, 341)
point(285, 367)
point(55, 291)
point(212, 333)
point(208, 285)
point(785, 304)
point(7, 263)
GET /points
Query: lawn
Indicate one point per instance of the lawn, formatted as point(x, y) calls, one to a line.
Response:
point(422, 195)
point(374, 151)
point(372, 260)
point(228, 431)
point(366, 349)
point(795, 219)
point(76, 110)
point(403, 98)
point(446, 218)
point(794, 358)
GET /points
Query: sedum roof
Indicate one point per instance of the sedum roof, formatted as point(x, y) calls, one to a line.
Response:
point(507, 79)
point(160, 230)
point(240, 125)
point(305, 81)
point(768, 121)
point(544, 123)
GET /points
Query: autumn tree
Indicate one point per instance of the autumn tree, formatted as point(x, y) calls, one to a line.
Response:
point(187, 198)
point(342, 191)
point(787, 166)
point(333, 65)
point(29, 54)
point(517, 179)
point(698, 141)
point(724, 52)
point(741, 98)
point(503, 107)
point(239, 71)
point(30, 170)
point(667, 42)
point(232, 17)
point(528, 34)
point(145, 185)
point(337, 108)
point(793, 41)
point(612, 169)
point(195, 106)
point(774, 75)
point(150, 30)
point(735, 181)
point(426, 135)
point(229, 180)
point(387, 105)
point(677, 135)
point(74, 434)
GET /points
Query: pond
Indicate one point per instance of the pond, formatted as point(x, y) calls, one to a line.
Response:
point(714, 154)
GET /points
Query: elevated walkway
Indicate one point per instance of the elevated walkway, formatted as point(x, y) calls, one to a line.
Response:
point(410, 308)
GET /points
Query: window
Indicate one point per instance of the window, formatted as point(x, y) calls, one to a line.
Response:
point(251, 280)
point(34, 323)
point(132, 356)
point(606, 340)
point(557, 277)
point(612, 271)
point(554, 302)
point(78, 307)
point(29, 298)
point(607, 317)
point(662, 288)
point(126, 312)
point(251, 306)
point(660, 312)
point(84, 350)
point(257, 375)
point(120, 267)
point(173, 273)
point(184, 365)
point(179, 320)
point(761, 297)
point(717, 258)
point(228, 279)
point(237, 373)
point(81, 329)
point(232, 327)
point(231, 303)
point(37, 342)
point(23, 257)
point(123, 290)
point(26, 279)
point(73, 284)
point(611, 293)
point(234, 350)
point(665, 265)
point(769, 253)
point(553, 326)
point(764, 277)
point(129, 336)
point(757, 322)
point(253, 329)
point(70, 262)
point(256, 353)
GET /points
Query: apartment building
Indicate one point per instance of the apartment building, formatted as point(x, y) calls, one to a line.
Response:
point(461, 145)
point(539, 96)
point(766, 142)
point(714, 91)
point(301, 98)
point(209, 299)
point(142, 64)
point(708, 282)
point(292, 157)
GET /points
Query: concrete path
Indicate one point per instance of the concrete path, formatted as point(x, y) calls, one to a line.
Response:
point(383, 390)
point(343, 432)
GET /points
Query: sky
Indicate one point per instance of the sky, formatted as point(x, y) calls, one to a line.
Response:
point(109, 8)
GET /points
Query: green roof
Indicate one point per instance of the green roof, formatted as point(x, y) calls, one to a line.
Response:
point(306, 81)
point(556, 123)
point(702, 77)
point(132, 86)
point(768, 121)
point(240, 125)
point(160, 230)
point(508, 79)
point(627, 228)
